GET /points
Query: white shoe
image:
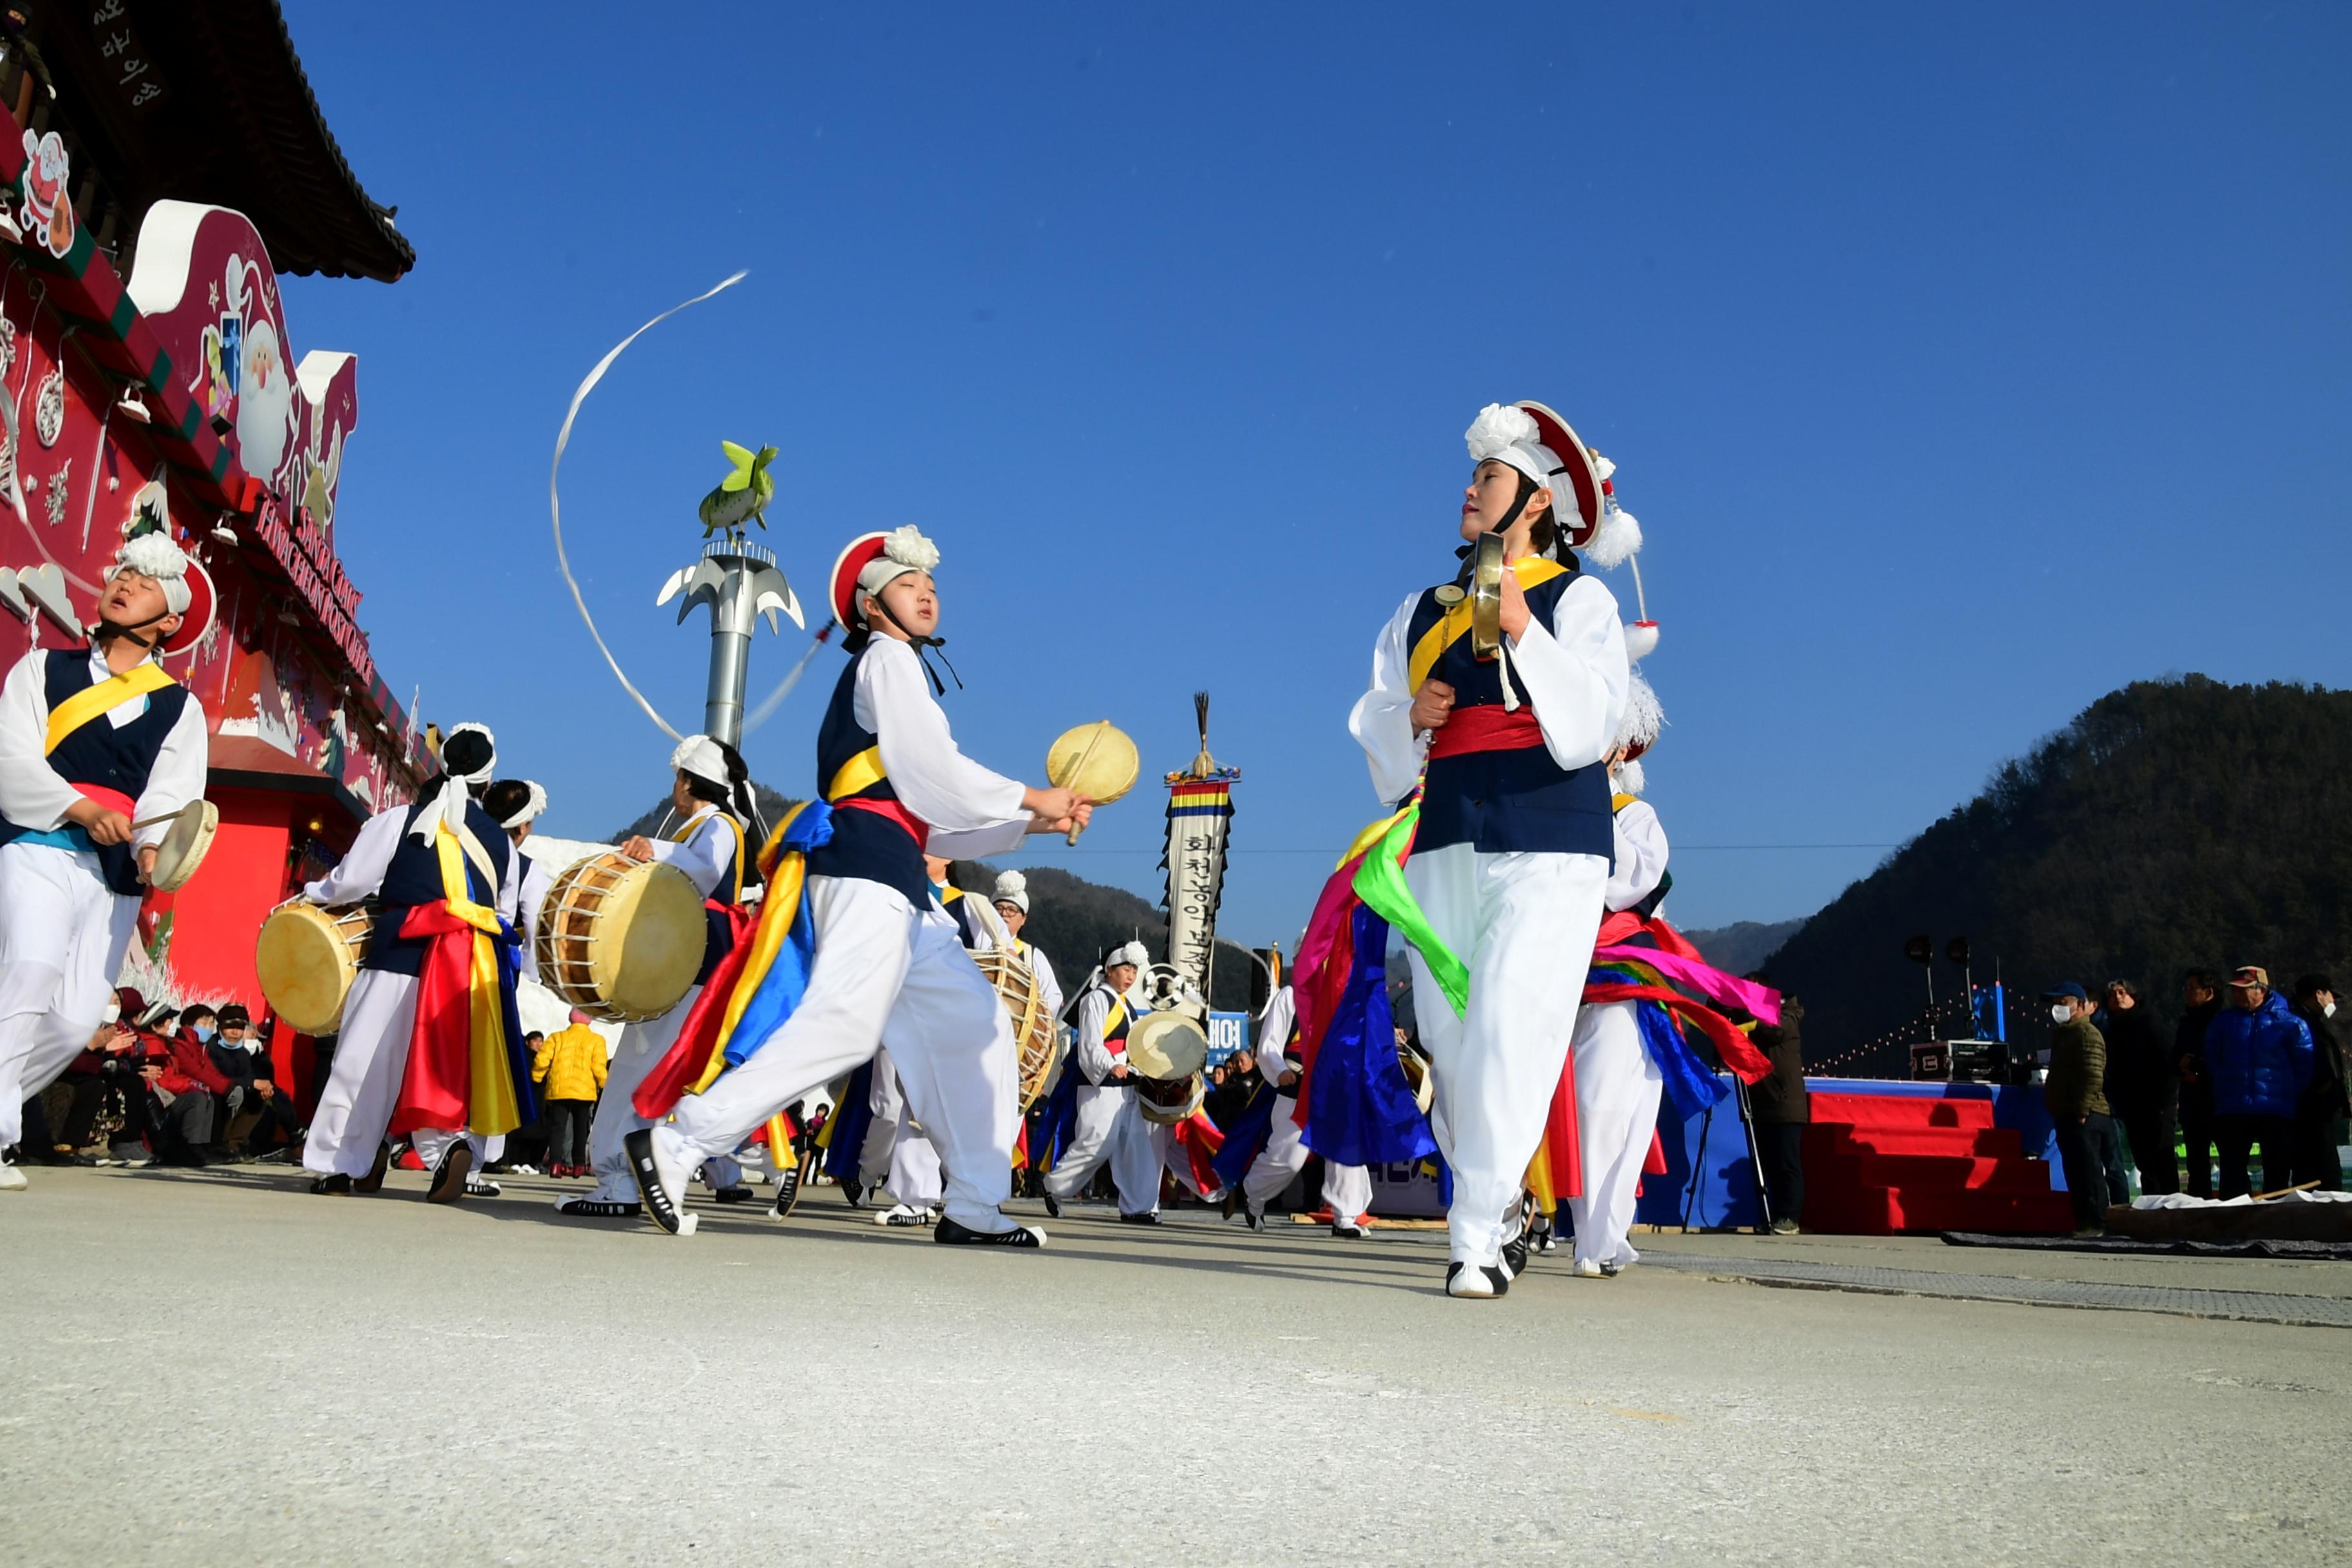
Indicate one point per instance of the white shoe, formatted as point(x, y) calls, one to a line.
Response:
point(12, 1180)
point(1478, 1283)
point(1587, 1269)
point(903, 1215)
point(661, 1178)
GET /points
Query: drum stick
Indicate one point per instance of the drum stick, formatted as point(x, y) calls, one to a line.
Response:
point(1079, 771)
point(167, 817)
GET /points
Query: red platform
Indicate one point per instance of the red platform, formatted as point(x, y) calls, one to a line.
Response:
point(1876, 1164)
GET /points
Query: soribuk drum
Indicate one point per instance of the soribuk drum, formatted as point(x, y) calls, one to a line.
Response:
point(619, 939)
point(306, 958)
point(1165, 1054)
point(1037, 1037)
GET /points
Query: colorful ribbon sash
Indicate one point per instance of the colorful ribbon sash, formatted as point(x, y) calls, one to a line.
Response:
point(465, 1068)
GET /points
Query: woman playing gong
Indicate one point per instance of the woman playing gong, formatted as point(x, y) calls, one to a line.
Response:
point(1513, 848)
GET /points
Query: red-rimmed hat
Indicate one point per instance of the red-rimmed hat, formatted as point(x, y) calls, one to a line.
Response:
point(198, 617)
point(862, 550)
point(1584, 479)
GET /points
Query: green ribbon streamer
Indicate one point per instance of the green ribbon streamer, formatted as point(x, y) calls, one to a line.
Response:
point(1380, 882)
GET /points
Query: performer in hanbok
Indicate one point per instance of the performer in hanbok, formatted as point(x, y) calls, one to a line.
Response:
point(516, 804)
point(908, 1162)
point(882, 958)
point(1011, 899)
point(1109, 1124)
point(94, 742)
point(1283, 1153)
point(1617, 1083)
point(1511, 852)
point(430, 1044)
point(710, 790)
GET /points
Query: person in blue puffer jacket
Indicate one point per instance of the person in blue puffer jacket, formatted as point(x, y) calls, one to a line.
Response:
point(2259, 1056)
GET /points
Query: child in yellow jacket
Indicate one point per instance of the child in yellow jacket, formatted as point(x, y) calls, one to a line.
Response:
point(569, 1067)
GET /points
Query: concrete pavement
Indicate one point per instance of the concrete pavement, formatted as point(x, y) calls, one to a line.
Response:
point(215, 1368)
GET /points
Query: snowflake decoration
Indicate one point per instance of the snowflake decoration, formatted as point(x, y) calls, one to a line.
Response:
point(7, 345)
point(55, 493)
point(215, 294)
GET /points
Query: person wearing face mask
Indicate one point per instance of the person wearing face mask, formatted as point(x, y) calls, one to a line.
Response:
point(99, 747)
point(2076, 1096)
point(239, 1052)
point(2321, 1109)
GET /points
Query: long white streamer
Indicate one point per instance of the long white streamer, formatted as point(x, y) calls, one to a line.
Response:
point(555, 504)
point(784, 687)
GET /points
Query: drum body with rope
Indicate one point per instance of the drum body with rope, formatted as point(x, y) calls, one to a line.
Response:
point(1037, 1035)
point(184, 848)
point(1165, 1054)
point(306, 958)
point(621, 940)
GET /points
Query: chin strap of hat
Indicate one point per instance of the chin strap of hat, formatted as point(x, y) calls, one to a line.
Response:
point(921, 646)
point(109, 630)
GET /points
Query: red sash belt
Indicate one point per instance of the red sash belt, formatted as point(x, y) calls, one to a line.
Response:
point(113, 799)
point(438, 1088)
point(1486, 728)
point(892, 811)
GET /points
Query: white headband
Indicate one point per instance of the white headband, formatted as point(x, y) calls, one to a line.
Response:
point(699, 755)
point(1012, 888)
point(1134, 953)
point(155, 555)
point(906, 550)
point(449, 809)
point(531, 809)
point(1511, 436)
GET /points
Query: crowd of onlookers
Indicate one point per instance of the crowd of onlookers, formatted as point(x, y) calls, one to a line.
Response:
point(2245, 1068)
point(159, 1085)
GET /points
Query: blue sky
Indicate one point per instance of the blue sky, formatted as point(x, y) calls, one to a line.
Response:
point(1962, 364)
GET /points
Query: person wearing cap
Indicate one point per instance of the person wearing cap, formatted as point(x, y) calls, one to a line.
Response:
point(2077, 1101)
point(887, 956)
point(712, 796)
point(2262, 1058)
point(1618, 1081)
point(238, 1050)
point(100, 748)
point(516, 806)
point(1012, 901)
point(1510, 858)
point(447, 878)
point(1111, 1124)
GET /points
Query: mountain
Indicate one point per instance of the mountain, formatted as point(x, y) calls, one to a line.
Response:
point(2174, 824)
point(1745, 945)
point(1075, 920)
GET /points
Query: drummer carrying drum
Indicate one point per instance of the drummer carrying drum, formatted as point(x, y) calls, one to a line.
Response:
point(886, 955)
point(100, 752)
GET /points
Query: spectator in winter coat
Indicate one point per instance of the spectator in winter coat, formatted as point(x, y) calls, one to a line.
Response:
point(238, 1052)
point(180, 1107)
point(2320, 1114)
point(1780, 1108)
point(2201, 1000)
point(572, 1064)
point(2078, 1099)
point(2143, 1087)
point(2260, 1055)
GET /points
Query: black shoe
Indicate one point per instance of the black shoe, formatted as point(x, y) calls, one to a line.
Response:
point(736, 1195)
point(787, 1191)
point(480, 1187)
point(219, 1155)
point(1232, 1201)
point(853, 1193)
point(1477, 1284)
point(1610, 1270)
point(374, 1180)
point(335, 1186)
point(449, 1183)
point(1053, 1207)
point(954, 1234)
point(1150, 1218)
point(1347, 1230)
point(598, 1208)
point(1515, 1255)
point(1254, 1221)
point(639, 1147)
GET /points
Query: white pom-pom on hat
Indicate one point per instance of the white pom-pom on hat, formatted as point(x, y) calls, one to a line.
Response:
point(1637, 732)
point(1012, 888)
point(1498, 429)
point(1641, 640)
point(1617, 541)
point(1629, 778)
point(908, 547)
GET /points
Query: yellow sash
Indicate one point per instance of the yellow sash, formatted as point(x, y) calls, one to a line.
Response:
point(491, 1098)
point(687, 832)
point(786, 872)
point(1454, 625)
point(1620, 801)
point(102, 697)
point(861, 771)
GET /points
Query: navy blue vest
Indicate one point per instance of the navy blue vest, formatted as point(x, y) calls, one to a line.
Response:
point(864, 844)
point(718, 933)
point(1505, 802)
point(101, 755)
point(414, 878)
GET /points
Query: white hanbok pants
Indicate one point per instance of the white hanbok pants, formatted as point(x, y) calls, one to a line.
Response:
point(1617, 1092)
point(363, 1084)
point(63, 935)
point(1347, 1188)
point(881, 965)
point(641, 1047)
point(1111, 1126)
point(896, 1155)
point(1523, 925)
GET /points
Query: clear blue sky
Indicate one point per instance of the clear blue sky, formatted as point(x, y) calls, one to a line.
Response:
point(1963, 363)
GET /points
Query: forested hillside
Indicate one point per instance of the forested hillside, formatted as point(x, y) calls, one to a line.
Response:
point(2174, 823)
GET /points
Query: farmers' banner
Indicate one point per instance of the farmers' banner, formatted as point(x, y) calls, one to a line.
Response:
point(1199, 814)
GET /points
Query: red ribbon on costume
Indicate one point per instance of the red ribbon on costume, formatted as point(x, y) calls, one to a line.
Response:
point(113, 799)
point(1561, 1144)
point(1198, 1137)
point(890, 811)
point(1488, 727)
point(436, 1089)
point(688, 1057)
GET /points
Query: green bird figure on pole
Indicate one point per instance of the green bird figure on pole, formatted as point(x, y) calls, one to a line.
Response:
point(742, 496)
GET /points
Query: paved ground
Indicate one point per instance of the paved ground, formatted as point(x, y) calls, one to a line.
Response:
point(215, 1368)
